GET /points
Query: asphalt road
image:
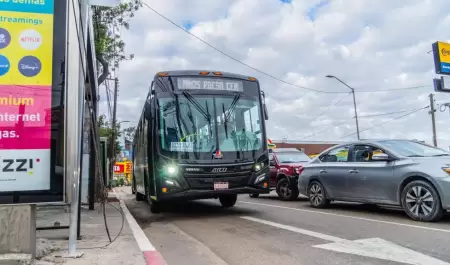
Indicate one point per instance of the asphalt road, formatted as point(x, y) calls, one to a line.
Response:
point(266, 230)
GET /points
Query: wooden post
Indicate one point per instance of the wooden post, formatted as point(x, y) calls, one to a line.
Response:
point(17, 232)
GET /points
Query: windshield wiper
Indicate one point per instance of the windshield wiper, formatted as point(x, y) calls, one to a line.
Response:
point(232, 106)
point(225, 122)
point(442, 155)
point(197, 105)
point(415, 156)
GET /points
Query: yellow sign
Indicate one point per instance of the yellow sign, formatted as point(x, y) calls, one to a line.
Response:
point(441, 52)
point(128, 167)
point(444, 52)
point(28, 41)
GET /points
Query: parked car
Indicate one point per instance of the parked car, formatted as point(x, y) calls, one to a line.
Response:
point(405, 173)
point(285, 167)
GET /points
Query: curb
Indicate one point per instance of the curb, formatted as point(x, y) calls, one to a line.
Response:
point(151, 255)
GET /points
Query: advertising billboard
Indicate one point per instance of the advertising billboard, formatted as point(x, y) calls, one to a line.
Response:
point(26, 68)
point(441, 54)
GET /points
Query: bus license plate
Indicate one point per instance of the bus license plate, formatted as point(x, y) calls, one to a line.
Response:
point(220, 185)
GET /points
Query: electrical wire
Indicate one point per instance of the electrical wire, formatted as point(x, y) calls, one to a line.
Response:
point(256, 69)
point(327, 129)
point(323, 112)
point(381, 124)
point(103, 196)
point(384, 114)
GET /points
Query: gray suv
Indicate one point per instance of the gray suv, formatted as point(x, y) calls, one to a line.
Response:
point(406, 173)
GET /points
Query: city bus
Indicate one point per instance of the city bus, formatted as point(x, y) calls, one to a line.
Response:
point(201, 135)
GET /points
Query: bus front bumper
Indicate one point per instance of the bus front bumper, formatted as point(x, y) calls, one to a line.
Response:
point(193, 194)
point(207, 188)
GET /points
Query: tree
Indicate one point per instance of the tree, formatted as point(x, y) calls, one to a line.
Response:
point(109, 47)
point(129, 133)
point(105, 130)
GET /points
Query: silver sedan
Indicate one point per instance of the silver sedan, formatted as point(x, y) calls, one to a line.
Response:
point(405, 173)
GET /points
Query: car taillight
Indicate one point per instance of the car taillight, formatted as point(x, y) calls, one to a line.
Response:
point(300, 170)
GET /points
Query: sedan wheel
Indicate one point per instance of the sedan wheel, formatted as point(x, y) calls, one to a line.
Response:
point(286, 191)
point(421, 202)
point(317, 195)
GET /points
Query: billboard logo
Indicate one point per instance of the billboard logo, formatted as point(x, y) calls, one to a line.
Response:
point(30, 66)
point(5, 38)
point(18, 165)
point(4, 65)
point(445, 52)
point(30, 39)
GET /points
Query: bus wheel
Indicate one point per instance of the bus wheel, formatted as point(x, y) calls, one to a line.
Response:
point(228, 200)
point(139, 197)
point(155, 206)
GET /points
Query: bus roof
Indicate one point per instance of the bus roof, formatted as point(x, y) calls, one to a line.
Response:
point(197, 73)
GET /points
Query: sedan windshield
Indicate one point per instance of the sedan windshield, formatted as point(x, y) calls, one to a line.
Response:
point(414, 149)
point(294, 157)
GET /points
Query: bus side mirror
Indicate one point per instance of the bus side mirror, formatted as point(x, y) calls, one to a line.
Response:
point(266, 113)
point(147, 109)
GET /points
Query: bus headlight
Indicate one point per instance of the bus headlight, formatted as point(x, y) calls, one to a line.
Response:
point(171, 169)
point(258, 166)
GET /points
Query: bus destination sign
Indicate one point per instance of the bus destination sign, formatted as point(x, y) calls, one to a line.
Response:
point(209, 84)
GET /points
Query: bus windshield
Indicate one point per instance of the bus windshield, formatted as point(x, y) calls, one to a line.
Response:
point(196, 125)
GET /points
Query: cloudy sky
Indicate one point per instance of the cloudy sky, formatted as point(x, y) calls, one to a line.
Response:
point(372, 45)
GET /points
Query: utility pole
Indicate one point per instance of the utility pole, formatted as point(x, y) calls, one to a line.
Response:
point(113, 135)
point(433, 118)
point(354, 102)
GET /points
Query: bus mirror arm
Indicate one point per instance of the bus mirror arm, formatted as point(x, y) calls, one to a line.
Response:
point(266, 113)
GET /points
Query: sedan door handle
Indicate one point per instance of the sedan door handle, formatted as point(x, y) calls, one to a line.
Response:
point(353, 171)
point(323, 171)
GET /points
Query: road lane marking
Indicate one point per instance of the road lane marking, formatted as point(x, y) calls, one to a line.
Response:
point(295, 229)
point(352, 217)
point(371, 247)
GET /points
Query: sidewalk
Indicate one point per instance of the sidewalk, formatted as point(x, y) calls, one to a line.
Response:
point(53, 244)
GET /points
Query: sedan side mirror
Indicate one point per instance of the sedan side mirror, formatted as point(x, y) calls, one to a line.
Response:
point(380, 157)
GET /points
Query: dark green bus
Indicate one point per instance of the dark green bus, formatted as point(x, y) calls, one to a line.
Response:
point(201, 135)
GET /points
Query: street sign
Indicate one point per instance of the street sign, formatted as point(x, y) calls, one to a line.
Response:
point(441, 54)
point(119, 168)
point(442, 84)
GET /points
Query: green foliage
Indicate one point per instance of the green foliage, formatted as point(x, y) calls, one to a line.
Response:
point(121, 181)
point(105, 130)
point(109, 47)
point(129, 133)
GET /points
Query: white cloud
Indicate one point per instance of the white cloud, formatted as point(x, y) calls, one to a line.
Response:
point(370, 44)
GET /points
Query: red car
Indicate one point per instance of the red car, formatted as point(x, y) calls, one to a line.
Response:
point(286, 164)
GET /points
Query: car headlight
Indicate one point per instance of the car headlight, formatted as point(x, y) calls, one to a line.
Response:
point(446, 169)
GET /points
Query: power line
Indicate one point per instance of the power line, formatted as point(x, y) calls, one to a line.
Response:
point(323, 112)
point(385, 113)
point(394, 119)
point(254, 68)
point(391, 89)
point(326, 129)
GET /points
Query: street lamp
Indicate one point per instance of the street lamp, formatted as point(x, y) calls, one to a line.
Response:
point(354, 101)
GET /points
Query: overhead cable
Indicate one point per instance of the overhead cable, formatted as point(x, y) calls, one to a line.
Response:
point(258, 70)
point(394, 119)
